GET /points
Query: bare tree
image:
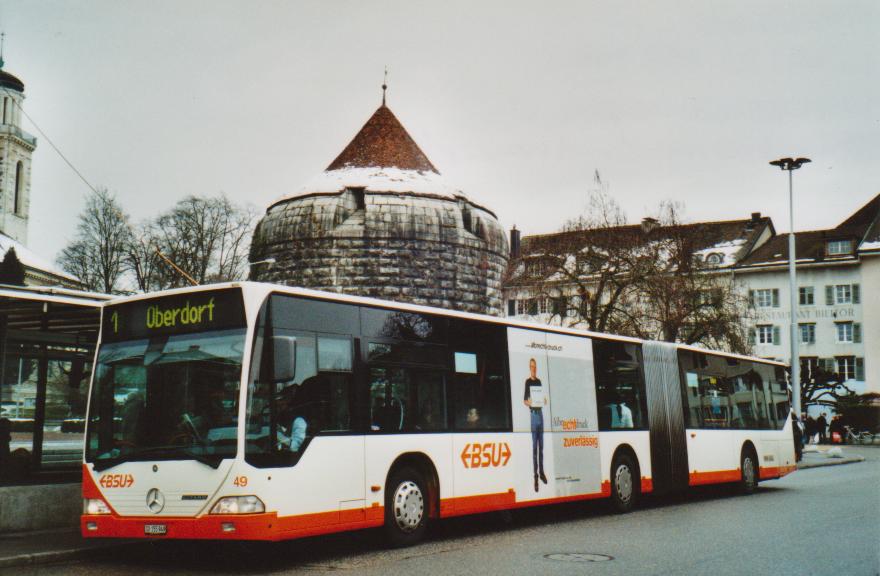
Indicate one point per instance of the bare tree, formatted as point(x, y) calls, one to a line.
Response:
point(97, 254)
point(640, 280)
point(683, 298)
point(208, 238)
point(585, 272)
point(142, 261)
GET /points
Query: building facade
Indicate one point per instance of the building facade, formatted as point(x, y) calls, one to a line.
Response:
point(838, 270)
point(380, 221)
point(838, 306)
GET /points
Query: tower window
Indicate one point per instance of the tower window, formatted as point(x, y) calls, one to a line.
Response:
point(18, 184)
point(360, 201)
point(5, 107)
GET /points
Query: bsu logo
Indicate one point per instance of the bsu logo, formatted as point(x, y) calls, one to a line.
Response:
point(493, 454)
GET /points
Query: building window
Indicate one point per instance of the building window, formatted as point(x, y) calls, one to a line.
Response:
point(809, 367)
point(846, 367)
point(18, 185)
point(839, 247)
point(543, 305)
point(848, 332)
point(842, 294)
point(765, 298)
point(527, 307)
point(5, 107)
point(806, 296)
point(808, 333)
point(767, 334)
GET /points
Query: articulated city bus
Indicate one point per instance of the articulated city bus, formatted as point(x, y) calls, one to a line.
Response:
point(260, 412)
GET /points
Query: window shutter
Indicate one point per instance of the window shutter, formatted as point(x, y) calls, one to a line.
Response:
point(511, 307)
point(860, 369)
point(752, 337)
point(776, 297)
point(856, 297)
point(751, 298)
point(857, 333)
point(776, 335)
point(829, 295)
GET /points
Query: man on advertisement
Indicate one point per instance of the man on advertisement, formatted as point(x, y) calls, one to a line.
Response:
point(535, 399)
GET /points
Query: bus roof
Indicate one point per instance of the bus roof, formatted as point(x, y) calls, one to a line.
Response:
point(367, 301)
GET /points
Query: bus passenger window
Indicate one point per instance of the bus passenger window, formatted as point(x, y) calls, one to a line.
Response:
point(620, 394)
point(406, 400)
point(479, 394)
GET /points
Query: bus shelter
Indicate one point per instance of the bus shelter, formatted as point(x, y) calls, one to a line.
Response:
point(47, 345)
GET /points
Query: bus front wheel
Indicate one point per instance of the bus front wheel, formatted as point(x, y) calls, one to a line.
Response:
point(406, 507)
point(625, 483)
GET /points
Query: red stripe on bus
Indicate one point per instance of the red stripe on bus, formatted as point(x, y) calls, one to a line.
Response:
point(270, 526)
point(716, 477)
point(768, 472)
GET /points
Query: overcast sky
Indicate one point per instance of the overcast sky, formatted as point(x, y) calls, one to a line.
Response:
point(516, 103)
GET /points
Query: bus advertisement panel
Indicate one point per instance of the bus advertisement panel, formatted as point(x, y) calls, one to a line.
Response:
point(554, 415)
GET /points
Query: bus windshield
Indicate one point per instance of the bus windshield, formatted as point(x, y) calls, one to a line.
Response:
point(166, 397)
point(166, 381)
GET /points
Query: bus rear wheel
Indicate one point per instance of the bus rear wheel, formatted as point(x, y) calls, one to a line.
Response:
point(406, 507)
point(624, 483)
point(748, 482)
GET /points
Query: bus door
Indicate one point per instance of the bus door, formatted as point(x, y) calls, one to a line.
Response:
point(669, 448)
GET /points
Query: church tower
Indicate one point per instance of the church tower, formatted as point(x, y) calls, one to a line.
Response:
point(16, 149)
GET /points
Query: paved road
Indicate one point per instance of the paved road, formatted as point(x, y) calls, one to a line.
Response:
point(823, 521)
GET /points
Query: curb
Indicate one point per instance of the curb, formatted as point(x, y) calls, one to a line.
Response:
point(59, 556)
point(802, 465)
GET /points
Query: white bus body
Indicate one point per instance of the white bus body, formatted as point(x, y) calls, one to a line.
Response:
point(396, 414)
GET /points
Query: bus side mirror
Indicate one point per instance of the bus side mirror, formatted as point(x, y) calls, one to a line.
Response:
point(284, 354)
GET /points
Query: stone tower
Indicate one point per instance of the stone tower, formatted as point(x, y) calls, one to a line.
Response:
point(380, 221)
point(16, 148)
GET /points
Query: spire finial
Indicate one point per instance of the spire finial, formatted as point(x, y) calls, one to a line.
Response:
point(384, 85)
point(2, 42)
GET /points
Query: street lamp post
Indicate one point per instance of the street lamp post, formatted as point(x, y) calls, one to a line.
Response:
point(791, 164)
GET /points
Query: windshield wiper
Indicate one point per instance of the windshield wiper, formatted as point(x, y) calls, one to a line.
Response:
point(188, 454)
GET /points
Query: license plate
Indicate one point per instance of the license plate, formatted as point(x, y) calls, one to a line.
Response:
point(155, 529)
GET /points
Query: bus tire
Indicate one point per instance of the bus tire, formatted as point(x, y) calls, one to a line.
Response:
point(625, 483)
point(748, 466)
point(406, 507)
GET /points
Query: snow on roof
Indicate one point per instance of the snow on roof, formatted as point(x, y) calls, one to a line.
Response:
point(378, 179)
point(873, 245)
point(30, 258)
point(728, 251)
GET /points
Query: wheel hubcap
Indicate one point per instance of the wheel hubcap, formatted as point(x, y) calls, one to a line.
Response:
point(409, 506)
point(748, 471)
point(623, 482)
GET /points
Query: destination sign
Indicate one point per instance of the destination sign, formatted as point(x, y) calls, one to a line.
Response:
point(178, 314)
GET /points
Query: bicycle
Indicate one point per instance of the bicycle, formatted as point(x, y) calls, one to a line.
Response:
point(863, 437)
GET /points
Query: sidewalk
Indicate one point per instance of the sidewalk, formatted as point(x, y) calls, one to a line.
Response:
point(817, 455)
point(50, 546)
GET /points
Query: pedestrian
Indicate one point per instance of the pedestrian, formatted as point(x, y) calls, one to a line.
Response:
point(798, 433)
point(836, 430)
point(822, 427)
point(810, 426)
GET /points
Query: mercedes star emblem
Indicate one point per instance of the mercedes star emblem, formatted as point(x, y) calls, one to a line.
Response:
point(155, 501)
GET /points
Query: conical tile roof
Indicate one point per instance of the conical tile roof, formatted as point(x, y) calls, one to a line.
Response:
point(383, 142)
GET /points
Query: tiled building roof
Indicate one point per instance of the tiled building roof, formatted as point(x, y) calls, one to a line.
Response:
point(862, 229)
point(726, 242)
point(383, 142)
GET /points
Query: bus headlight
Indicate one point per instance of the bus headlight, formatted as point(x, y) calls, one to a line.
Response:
point(93, 506)
point(238, 505)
